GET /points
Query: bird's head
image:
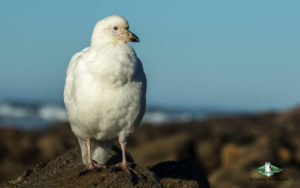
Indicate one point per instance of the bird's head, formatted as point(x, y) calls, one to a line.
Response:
point(113, 29)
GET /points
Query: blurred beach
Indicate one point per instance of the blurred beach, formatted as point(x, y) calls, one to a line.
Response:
point(225, 145)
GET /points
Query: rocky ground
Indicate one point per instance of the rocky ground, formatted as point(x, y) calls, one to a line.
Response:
point(66, 171)
point(225, 149)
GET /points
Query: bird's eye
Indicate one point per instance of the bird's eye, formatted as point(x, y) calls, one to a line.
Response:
point(115, 28)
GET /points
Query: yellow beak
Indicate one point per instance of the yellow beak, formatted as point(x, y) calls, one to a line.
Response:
point(130, 37)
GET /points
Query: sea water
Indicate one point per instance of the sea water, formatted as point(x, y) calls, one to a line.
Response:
point(39, 115)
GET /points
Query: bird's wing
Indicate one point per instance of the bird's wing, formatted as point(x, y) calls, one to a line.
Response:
point(68, 92)
point(141, 77)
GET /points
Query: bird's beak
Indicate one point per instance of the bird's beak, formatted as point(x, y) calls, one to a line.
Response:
point(130, 37)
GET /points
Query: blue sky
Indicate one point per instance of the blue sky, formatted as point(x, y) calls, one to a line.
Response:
point(233, 54)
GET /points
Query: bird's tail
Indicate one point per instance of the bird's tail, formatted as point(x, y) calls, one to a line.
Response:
point(99, 150)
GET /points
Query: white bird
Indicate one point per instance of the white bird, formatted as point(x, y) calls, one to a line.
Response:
point(105, 92)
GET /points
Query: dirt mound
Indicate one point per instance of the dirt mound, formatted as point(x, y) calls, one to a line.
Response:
point(64, 172)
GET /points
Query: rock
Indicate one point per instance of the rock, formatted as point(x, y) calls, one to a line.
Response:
point(290, 116)
point(185, 173)
point(230, 153)
point(64, 172)
point(49, 146)
point(284, 154)
point(206, 153)
point(161, 149)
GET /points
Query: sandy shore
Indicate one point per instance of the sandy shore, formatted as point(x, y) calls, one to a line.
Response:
point(226, 148)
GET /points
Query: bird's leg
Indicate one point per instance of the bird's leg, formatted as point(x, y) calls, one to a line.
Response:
point(92, 165)
point(123, 165)
point(90, 161)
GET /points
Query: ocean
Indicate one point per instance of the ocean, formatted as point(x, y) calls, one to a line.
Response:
point(26, 115)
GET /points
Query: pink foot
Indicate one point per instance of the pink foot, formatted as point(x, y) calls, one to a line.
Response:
point(92, 166)
point(128, 170)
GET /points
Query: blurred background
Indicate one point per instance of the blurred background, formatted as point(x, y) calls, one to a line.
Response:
point(207, 62)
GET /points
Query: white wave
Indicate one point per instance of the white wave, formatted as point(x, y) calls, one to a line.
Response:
point(27, 113)
point(160, 117)
point(52, 113)
point(7, 110)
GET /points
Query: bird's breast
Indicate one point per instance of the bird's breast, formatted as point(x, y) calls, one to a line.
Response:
point(113, 66)
point(103, 110)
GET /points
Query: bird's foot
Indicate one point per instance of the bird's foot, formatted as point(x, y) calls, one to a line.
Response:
point(98, 166)
point(94, 166)
point(128, 170)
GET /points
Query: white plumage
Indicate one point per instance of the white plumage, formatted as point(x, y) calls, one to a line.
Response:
point(105, 89)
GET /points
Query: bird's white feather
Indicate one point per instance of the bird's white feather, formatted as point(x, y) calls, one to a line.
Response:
point(105, 95)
